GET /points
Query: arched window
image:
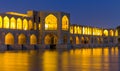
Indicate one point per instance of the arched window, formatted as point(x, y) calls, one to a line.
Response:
point(9, 39)
point(25, 24)
point(111, 33)
point(77, 40)
point(6, 22)
point(50, 22)
point(12, 23)
point(19, 24)
point(0, 22)
point(21, 39)
point(30, 25)
point(105, 32)
point(65, 23)
point(33, 39)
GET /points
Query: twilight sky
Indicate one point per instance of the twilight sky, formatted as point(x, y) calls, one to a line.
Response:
point(98, 13)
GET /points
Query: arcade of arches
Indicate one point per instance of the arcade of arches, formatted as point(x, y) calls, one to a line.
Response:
point(10, 39)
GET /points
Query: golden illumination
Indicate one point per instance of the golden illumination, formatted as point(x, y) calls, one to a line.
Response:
point(75, 30)
point(1, 22)
point(71, 40)
point(50, 22)
point(77, 40)
point(12, 23)
point(30, 25)
point(105, 32)
point(71, 29)
point(111, 33)
point(35, 26)
point(21, 39)
point(18, 14)
point(9, 39)
point(116, 33)
point(65, 23)
point(33, 39)
point(19, 24)
point(6, 22)
point(25, 24)
point(50, 39)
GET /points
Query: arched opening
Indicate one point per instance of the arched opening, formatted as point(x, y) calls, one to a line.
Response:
point(86, 40)
point(65, 23)
point(9, 39)
point(50, 22)
point(64, 39)
point(21, 39)
point(30, 25)
point(82, 40)
point(77, 40)
point(19, 24)
point(33, 39)
point(99, 40)
point(25, 24)
point(50, 39)
point(105, 32)
point(71, 40)
point(6, 22)
point(12, 23)
point(111, 33)
point(1, 22)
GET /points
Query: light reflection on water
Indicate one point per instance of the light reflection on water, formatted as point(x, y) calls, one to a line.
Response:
point(85, 59)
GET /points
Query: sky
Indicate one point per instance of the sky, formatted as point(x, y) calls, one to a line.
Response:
point(96, 13)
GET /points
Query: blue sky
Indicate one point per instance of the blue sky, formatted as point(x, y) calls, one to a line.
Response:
point(98, 13)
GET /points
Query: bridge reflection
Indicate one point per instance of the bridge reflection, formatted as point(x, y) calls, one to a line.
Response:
point(87, 59)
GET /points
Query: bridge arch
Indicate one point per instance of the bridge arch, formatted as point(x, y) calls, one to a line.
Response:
point(9, 39)
point(21, 39)
point(50, 39)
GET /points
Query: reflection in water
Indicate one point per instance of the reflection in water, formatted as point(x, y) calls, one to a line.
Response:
point(85, 59)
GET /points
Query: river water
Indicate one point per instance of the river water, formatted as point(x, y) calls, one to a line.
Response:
point(84, 59)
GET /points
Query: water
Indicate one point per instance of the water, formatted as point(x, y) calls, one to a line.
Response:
point(85, 59)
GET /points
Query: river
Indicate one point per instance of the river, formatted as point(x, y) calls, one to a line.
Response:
point(84, 59)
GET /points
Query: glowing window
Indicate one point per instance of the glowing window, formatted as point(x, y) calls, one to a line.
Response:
point(0, 22)
point(50, 22)
point(33, 39)
point(9, 39)
point(71, 29)
point(39, 26)
point(19, 24)
point(35, 26)
point(12, 23)
point(25, 24)
point(65, 23)
point(21, 39)
point(75, 30)
point(105, 32)
point(6, 22)
point(30, 25)
point(111, 33)
point(116, 33)
point(77, 40)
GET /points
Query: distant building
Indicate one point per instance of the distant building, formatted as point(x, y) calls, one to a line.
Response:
point(41, 29)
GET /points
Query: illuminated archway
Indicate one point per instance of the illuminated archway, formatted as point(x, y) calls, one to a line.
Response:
point(111, 33)
point(82, 40)
point(33, 39)
point(71, 40)
point(12, 23)
point(9, 39)
point(30, 25)
point(65, 23)
point(1, 22)
point(50, 39)
point(77, 40)
point(64, 39)
point(6, 22)
point(19, 24)
point(25, 24)
point(105, 32)
point(50, 22)
point(21, 39)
